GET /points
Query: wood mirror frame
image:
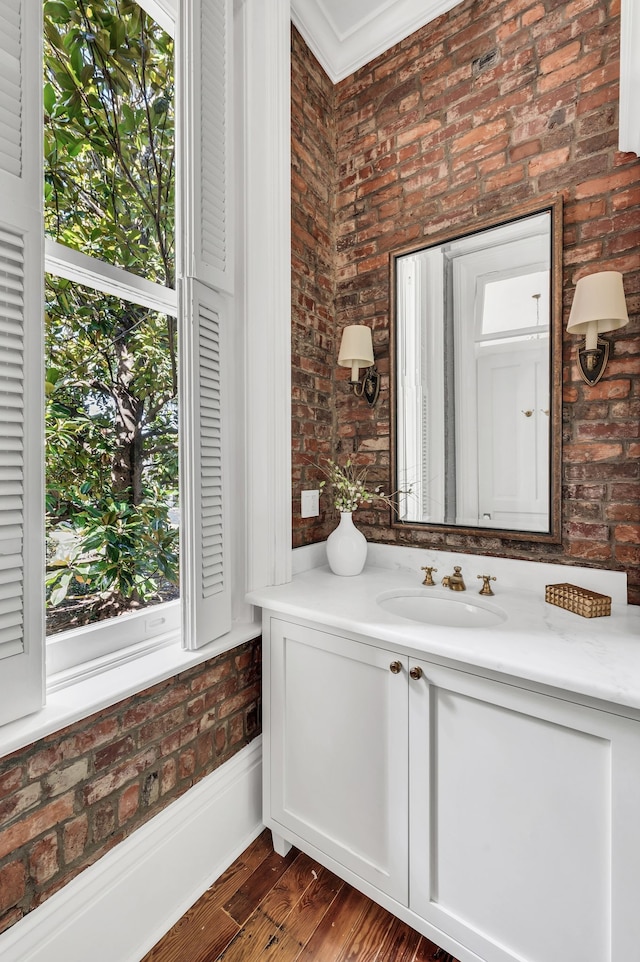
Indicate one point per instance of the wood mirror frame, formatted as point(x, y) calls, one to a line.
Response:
point(553, 533)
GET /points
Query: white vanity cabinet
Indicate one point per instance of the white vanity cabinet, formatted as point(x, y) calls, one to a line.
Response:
point(523, 820)
point(338, 747)
point(500, 821)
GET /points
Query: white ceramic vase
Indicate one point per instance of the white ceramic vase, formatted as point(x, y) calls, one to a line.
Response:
point(346, 547)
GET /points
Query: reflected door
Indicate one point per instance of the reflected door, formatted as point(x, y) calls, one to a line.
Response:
point(513, 419)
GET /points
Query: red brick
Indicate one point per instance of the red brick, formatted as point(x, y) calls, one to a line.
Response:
point(628, 533)
point(30, 826)
point(576, 453)
point(204, 750)
point(11, 780)
point(82, 742)
point(626, 429)
point(168, 776)
point(241, 700)
point(186, 764)
point(179, 738)
point(128, 803)
point(14, 805)
point(212, 676)
point(113, 752)
point(577, 530)
point(165, 723)
point(220, 739)
point(12, 885)
point(623, 512)
point(579, 68)
point(43, 860)
point(74, 838)
point(236, 729)
point(589, 550)
point(44, 761)
point(532, 15)
point(101, 787)
point(104, 821)
point(627, 554)
point(605, 185)
point(610, 389)
point(560, 58)
point(548, 161)
point(55, 783)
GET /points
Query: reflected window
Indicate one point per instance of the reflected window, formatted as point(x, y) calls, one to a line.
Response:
point(515, 304)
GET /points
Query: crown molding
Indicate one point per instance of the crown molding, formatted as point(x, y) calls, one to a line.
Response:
point(341, 51)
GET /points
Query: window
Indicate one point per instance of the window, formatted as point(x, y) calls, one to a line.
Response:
point(204, 272)
point(110, 361)
point(515, 304)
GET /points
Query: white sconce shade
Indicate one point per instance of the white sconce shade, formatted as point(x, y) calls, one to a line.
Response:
point(356, 349)
point(598, 306)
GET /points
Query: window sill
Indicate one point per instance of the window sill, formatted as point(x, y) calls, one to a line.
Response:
point(100, 685)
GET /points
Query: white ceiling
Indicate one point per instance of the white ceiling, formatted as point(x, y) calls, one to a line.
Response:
point(345, 34)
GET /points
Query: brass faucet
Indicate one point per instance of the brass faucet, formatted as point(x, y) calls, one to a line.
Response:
point(454, 581)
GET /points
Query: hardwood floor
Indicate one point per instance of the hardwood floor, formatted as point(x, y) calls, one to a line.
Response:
point(289, 909)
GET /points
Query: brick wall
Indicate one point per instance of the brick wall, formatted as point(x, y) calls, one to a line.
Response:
point(495, 103)
point(313, 161)
point(69, 798)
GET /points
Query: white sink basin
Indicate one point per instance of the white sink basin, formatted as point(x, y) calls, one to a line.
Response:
point(416, 604)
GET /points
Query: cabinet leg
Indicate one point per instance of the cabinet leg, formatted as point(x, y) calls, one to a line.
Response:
point(280, 845)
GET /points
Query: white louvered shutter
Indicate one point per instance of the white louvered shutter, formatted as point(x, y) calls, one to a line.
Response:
point(21, 362)
point(205, 270)
point(204, 567)
point(205, 77)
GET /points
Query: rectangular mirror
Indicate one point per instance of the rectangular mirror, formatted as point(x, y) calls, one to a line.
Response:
point(476, 377)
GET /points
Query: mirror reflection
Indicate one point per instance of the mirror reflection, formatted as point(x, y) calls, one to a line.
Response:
point(473, 378)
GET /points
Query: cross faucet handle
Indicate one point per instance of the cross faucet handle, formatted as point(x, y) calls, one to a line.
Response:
point(428, 578)
point(486, 587)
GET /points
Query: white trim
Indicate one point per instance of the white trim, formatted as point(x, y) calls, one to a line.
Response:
point(342, 51)
point(266, 263)
point(100, 276)
point(110, 642)
point(121, 906)
point(164, 12)
point(629, 135)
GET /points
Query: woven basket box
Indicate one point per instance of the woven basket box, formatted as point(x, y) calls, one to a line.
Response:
point(581, 601)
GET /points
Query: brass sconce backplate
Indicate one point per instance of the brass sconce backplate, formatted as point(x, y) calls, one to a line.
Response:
point(593, 363)
point(371, 386)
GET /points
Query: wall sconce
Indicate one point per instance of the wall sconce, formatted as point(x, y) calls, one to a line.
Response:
point(356, 351)
point(598, 306)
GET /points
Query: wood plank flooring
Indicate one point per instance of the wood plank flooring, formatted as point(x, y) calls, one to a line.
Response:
point(289, 909)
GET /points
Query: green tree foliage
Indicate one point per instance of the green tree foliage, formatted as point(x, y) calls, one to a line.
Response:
point(109, 134)
point(111, 365)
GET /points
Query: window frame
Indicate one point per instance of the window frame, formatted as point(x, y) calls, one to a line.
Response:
point(66, 651)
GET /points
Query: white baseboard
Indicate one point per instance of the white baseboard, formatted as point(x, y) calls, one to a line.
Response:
point(117, 909)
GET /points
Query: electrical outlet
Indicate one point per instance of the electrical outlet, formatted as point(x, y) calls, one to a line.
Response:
point(309, 504)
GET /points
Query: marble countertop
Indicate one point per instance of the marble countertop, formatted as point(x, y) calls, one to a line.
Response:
point(537, 642)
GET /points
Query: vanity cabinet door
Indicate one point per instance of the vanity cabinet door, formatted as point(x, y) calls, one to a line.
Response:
point(523, 821)
point(337, 752)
